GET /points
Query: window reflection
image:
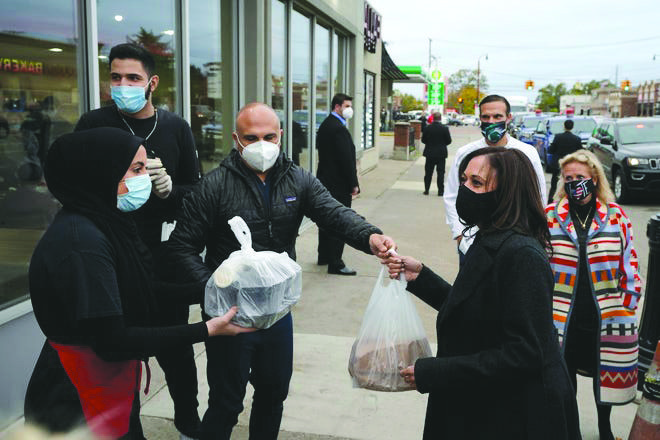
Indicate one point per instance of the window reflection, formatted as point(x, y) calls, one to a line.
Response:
point(301, 62)
point(322, 73)
point(278, 67)
point(206, 82)
point(39, 93)
point(125, 21)
point(369, 108)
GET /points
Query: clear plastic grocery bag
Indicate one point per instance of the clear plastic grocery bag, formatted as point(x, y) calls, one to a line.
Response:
point(264, 285)
point(391, 338)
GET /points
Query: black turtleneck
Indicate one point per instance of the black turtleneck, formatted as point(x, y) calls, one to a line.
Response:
point(584, 315)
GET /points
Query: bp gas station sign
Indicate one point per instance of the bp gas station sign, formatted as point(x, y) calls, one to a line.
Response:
point(436, 90)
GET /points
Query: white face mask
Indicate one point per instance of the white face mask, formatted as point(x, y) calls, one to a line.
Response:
point(347, 113)
point(260, 155)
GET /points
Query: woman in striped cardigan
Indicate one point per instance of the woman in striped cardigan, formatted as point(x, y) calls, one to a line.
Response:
point(597, 284)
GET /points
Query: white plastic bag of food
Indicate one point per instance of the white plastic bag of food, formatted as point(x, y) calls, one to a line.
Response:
point(391, 338)
point(263, 285)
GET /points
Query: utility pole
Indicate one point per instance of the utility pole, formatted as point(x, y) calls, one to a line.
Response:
point(479, 75)
point(430, 54)
point(616, 76)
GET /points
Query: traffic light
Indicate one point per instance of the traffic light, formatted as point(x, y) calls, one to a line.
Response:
point(460, 100)
point(625, 85)
point(529, 85)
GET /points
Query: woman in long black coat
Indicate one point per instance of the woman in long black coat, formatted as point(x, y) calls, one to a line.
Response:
point(498, 372)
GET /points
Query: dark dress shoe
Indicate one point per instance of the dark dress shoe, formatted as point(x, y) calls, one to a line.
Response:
point(426, 193)
point(341, 271)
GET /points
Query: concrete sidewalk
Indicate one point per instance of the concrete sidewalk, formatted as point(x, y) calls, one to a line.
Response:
point(322, 403)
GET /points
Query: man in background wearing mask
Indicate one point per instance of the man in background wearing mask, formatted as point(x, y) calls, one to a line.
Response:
point(495, 115)
point(337, 171)
point(174, 170)
point(272, 194)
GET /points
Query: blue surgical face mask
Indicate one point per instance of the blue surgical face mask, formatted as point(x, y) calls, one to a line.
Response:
point(139, 190)
point(130, 99)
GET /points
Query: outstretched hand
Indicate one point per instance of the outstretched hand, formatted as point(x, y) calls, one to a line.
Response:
point(222, 325)
point(397, 264)
point(380, 245)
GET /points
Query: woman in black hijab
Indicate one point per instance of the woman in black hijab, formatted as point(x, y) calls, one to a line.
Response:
point(92, 290)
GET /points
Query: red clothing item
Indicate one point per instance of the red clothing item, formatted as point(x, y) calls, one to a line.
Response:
point(106, 389)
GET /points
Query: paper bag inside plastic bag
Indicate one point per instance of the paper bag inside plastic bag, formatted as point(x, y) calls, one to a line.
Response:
point(391, 338)
point(264, 285)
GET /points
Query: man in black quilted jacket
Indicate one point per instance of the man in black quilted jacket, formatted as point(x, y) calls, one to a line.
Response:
point(272, 194)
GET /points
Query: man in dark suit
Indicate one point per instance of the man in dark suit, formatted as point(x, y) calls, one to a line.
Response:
point(563, 144)
point(337, 170)
point(435, 138)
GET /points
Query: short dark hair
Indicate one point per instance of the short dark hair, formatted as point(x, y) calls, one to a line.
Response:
point(568, 124)
point(495, 98)
point(519, 204)
point(133, 51)
point(339, 99)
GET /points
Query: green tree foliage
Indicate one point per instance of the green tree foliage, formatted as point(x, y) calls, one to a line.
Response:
point(464, 78)
point(587, 88)
point(548, 97)
point(463, 84)
point(409, 102)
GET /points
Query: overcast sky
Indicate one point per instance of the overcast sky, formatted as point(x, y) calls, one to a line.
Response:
point(544, 41)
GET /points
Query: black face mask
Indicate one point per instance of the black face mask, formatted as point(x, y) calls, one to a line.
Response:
point(577, 190)
point(474, 208)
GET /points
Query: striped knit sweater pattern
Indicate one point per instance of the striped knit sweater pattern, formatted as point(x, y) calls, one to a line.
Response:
point(616, 287)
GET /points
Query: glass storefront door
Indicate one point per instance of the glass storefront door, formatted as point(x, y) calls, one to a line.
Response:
point(39, 93)
point(206, 82)
point(149, 23)
point(301, 81)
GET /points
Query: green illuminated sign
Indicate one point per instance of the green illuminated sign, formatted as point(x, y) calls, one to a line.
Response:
point(436, 93)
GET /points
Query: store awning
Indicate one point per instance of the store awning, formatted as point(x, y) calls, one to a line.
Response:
point(388, 69)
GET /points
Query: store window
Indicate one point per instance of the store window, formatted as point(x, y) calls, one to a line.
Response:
point(301, 79)
point(339, 60)
point(278, 64)
point(369, 108)
point(322, 75)
point(40, 96)
point(149, 23)
point(206, 65)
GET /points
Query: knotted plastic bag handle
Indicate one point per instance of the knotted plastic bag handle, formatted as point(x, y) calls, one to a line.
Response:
point(242, 232)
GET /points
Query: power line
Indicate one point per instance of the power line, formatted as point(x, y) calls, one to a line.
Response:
point(534, 47)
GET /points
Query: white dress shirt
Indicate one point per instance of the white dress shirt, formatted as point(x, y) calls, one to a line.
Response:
point(452, 184)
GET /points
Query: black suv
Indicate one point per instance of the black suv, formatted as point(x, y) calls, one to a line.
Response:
point(629, 150)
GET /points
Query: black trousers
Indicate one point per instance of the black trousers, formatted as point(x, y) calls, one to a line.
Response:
point(434, 163)
point(330, 247)
point(265, 359)
point(553, 185)
point(178, 364)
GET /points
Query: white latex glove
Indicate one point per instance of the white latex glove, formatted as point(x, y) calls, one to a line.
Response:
point(161, 182)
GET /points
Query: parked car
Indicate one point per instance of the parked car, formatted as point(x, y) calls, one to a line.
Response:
point(470, 120)
point(514, 125)
point(527, 128)
point(453, 120)
point(546, 130)
point(629, 149)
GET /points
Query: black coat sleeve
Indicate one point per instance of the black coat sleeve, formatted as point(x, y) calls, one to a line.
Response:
point(113, 341)
point(430, 288)
point(524, 284)
point(336, 218)
point(194, 222)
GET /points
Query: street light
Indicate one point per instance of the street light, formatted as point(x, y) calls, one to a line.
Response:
point(479, 73)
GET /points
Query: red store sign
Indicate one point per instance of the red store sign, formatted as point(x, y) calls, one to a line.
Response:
point(21, 66)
